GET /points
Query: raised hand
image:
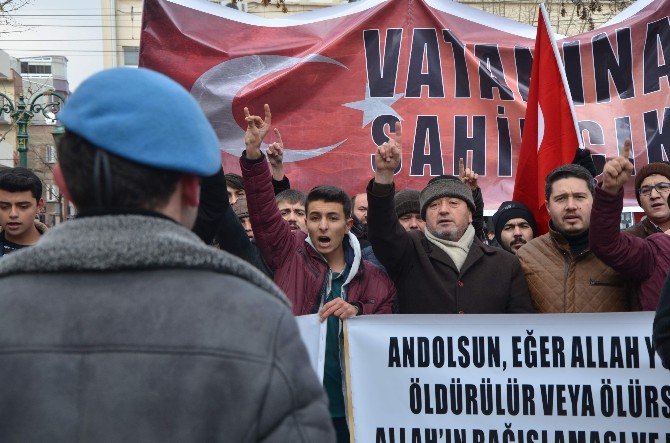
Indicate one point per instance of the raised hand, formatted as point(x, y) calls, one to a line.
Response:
point(276, 150)
point(388, 157)
point(617, 171)
point(467, 175)
point(257, 129)
point(276, 157)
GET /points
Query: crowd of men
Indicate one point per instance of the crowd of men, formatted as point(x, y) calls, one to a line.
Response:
point(129, 322)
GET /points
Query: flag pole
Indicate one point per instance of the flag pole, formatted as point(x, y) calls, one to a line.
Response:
point(561, 69)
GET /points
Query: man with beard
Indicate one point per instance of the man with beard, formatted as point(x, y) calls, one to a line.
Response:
point(563, 274)
point(514, 226)
point(443, 269)
point(291, 204)
point(408, 209)
point(359, 214)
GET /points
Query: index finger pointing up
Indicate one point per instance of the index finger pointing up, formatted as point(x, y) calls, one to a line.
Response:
point(268, 115)
point(461, 167)
point(278, 135)
point(398, 133)
point(246, 112)
point(625, 151)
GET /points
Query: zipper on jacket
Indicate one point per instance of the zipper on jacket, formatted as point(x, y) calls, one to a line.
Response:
point(593, 282)
point(309, 263)
point(566, 272)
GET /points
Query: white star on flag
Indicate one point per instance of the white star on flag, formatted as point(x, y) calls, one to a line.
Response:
point(373, 107)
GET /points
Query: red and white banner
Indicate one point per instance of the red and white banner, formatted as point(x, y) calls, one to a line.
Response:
point(337, 80)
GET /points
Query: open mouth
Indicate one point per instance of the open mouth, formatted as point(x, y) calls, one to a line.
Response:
point(323, 241)
point(657, 205)
point(12, 225)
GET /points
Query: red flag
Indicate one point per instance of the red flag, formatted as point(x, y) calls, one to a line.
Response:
point(550, 134)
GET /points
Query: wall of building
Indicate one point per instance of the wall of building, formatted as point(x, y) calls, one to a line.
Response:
point(121, 21)
point(11, 85)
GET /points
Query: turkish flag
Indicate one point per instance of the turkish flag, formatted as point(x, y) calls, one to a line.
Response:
point(550, 134)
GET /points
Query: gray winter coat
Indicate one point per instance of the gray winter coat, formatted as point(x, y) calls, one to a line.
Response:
point(129, 328)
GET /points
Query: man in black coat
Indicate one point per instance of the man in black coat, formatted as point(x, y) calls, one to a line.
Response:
point(446, 269)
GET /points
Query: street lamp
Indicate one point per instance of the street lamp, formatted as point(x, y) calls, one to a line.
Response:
point(21, 114)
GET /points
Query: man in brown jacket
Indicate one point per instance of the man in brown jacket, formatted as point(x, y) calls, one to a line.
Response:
point(443, 269)
point(562, 273)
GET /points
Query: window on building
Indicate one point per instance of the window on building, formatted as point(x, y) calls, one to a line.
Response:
point(131, 55)
point(24, 67)
point(51, 154)
point(38, 69)
point(52, 193)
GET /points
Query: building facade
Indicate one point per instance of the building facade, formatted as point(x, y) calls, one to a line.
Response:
point(11, 85)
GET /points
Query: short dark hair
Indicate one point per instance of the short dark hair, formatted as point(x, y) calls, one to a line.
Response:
point(235, 181)
point(330, 194)
point(568, 171)
point(134, 186)
point(20, 180)
point(293, 196)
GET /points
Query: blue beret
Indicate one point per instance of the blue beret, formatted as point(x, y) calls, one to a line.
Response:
point(145, 117)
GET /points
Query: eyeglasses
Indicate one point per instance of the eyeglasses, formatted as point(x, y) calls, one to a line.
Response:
point(661, 188)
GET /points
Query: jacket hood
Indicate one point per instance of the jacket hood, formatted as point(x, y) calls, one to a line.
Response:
point(127, 242)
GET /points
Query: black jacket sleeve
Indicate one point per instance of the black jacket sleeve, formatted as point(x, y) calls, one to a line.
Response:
point(281, 185)
point(478, 216)
point(390, 242)
point(217, 221)
point(662, 325)
point(213, 206)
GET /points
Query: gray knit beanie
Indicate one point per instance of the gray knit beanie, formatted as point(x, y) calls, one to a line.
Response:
point(407, 201)
point(240, 208)
point(446, 187)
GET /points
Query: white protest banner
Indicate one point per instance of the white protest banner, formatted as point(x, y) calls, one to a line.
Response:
point(582, 378)
point(313, 334)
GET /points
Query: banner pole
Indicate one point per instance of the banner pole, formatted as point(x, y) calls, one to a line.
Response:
point(347, 372)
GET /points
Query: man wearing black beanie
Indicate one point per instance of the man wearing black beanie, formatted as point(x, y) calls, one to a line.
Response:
point(514, 225)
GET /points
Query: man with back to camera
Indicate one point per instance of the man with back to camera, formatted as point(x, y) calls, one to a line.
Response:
point(121, 325)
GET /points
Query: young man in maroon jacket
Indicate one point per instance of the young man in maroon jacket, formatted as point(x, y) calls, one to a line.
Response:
point(645, 260)
point(321, 271)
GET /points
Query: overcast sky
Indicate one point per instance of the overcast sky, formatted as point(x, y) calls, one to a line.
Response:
point(63, 27)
